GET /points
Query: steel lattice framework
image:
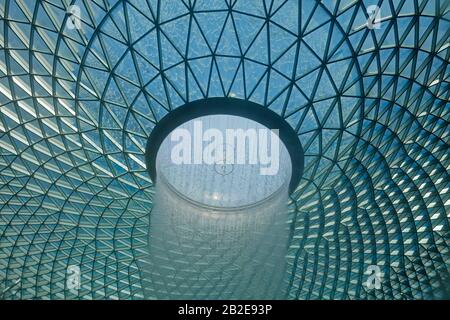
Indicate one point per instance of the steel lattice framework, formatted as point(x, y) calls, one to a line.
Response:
point(370, 106)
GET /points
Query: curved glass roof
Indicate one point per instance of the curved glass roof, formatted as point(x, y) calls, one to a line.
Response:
point(82, 84)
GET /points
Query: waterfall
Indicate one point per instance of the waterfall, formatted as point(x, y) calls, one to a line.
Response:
point(219, 230)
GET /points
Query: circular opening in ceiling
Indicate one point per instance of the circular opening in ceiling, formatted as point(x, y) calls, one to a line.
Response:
point(208, 146)
point(224, 162)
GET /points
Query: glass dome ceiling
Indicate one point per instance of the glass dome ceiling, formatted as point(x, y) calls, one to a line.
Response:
point(79, 98)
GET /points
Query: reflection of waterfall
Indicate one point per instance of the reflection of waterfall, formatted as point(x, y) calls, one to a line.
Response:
point(216, 235)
